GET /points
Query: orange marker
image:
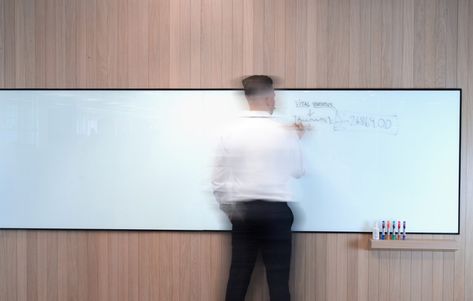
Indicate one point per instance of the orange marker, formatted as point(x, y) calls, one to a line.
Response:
point(389, 230)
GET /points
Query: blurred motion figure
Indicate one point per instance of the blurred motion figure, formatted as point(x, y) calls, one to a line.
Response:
point(255, 161)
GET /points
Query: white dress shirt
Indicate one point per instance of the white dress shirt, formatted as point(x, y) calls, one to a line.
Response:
point(255, 160)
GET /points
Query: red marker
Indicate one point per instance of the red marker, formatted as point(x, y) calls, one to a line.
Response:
point(398, 230)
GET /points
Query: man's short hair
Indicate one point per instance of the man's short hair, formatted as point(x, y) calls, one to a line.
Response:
point(257, 84)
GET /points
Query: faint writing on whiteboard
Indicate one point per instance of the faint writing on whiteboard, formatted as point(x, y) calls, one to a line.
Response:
point(313, 112)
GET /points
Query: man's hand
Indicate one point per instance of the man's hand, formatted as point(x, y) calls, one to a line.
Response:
point(300, 129)
point(228, 209)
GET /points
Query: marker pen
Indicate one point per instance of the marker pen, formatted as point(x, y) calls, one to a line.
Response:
point(394, 231)
point(404, 230)
point(376, 231)
point(389, 230)
point(383, 230)
point(398, 230)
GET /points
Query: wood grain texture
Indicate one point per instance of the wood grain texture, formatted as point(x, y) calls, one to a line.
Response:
point(441, 244)
point(212, 43)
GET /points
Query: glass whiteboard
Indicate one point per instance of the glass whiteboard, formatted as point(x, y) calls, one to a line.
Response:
point(141, 159)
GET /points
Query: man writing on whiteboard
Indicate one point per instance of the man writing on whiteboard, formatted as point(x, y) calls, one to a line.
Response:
point(256, 159)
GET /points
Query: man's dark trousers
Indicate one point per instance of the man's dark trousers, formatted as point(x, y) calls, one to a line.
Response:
point(264, 226)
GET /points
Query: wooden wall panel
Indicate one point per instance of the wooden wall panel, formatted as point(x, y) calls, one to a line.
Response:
point(213, 43)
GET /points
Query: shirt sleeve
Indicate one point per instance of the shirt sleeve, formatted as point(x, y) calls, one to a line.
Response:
point(299, 169)
point(220, 173)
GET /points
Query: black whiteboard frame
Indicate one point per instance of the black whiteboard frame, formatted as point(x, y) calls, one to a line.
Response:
point(288, 89)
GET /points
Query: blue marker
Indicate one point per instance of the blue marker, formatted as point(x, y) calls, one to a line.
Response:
point(383, 233)
point(394, 231)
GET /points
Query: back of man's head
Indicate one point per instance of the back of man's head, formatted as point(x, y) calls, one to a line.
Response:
point(256, 85)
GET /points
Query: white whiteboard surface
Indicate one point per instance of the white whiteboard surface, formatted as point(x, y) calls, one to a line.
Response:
point(141, 159)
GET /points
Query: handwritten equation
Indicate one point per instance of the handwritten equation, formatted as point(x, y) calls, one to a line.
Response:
point(315, 112)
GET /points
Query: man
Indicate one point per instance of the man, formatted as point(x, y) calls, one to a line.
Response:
point(256, 159)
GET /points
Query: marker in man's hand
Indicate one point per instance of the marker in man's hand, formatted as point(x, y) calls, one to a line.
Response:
point(301, 128)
